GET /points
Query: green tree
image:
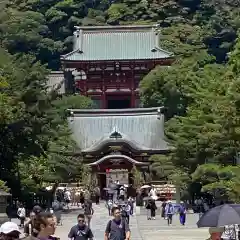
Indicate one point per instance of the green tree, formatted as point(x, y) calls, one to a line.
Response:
point(222, 182)
point(162, 166)
point(137, 177)
point(45, 29)
point(34, 131)
point(3, 186)
point(170, 87)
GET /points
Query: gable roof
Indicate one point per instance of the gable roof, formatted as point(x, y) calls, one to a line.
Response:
point(116, 43)
point(141, 128)
point(112, 157)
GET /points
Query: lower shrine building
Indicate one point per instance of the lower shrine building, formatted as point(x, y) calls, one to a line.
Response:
point(113, 141)
point(106, 64)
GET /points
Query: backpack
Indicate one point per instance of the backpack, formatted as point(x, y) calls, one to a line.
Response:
point(123, 222)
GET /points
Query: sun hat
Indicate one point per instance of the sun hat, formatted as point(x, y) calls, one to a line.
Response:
point(9, 227)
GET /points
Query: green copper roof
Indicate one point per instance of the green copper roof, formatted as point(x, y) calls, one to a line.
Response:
point(140, 128)
point(116, 43)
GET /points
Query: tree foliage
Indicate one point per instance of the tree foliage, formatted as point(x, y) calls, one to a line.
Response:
point(45, 28)
point(162, 166)
point(202, 101)
point(36, 144)
point(137, 176)
point(222, 182)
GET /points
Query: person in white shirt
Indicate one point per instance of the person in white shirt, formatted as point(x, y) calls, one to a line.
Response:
point(67, 197)
point(122, 194)
point(153, 192)
point(21, 212)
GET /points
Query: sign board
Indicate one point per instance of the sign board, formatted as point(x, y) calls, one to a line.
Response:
point(120, 175)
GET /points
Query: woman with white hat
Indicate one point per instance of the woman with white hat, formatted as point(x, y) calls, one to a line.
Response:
point(9, 231)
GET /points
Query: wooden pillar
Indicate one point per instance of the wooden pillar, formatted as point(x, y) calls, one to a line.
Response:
point(103, 98)
point(132, 99)
point(132, 90)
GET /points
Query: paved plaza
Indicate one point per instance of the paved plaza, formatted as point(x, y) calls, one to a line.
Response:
point(141, 228)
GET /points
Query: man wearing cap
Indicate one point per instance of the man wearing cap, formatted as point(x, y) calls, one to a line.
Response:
point(9, 231)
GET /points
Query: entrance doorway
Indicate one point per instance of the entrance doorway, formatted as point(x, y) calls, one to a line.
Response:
point(118, 102)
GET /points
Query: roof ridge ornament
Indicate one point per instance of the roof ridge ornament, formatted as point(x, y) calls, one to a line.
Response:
point(115, 133)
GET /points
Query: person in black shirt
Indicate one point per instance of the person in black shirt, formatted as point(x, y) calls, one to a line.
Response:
point(117, 228)
point(88, 211)
point(80, 231)
point(163, 209)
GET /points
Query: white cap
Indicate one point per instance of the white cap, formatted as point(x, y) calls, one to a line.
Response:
point(9, 227)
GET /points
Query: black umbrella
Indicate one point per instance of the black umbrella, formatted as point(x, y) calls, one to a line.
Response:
point(227, 214)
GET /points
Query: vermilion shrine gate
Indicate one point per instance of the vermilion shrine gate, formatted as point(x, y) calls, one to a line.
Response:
point(106, 64)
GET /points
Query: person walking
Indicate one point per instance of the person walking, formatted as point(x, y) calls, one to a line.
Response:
point(80, 231)
point(153, 208)
point(67, 197)
point(148, 207)
point(82, 198)
point(122, 194)
point(109, 206)
point(163, 209)
point(117, 228)
point(21, 212)
point(128, 212)
point(97, 195)
point(169, 211)
point(182, 213)
point(88, 211)
point(131, 203)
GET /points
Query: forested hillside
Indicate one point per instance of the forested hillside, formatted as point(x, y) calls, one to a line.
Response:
point(44, 28)
point(200, 91)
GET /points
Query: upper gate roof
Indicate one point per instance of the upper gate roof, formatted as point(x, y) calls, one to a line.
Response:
point(141, 128)
point(116, 43)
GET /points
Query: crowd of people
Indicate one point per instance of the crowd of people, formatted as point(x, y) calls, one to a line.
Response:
point(41, 225)
point(42, 222)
